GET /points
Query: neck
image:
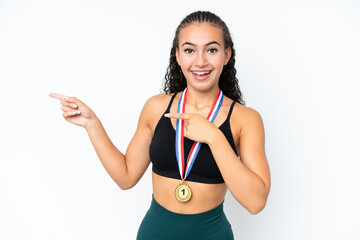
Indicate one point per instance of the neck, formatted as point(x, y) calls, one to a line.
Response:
point(200, 99)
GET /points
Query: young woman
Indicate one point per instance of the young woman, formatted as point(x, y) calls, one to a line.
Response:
point(199, 136)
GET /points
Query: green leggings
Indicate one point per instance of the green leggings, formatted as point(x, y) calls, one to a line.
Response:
point(160, 223)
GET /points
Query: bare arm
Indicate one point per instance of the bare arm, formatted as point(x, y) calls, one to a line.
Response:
point(114, 161)
point(248, 179)
point(126, 170)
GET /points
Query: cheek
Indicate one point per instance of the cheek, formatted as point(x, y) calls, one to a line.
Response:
point(185, 62)
point(218, 62)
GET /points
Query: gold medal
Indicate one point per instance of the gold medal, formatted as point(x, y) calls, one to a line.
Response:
point(183, 192)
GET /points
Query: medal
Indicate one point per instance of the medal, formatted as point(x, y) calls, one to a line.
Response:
point(183, 191)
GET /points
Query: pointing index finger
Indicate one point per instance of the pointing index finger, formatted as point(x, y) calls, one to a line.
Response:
point(57, 96)
point(184, 116)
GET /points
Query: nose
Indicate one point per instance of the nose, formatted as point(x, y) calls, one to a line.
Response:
point(200, 60)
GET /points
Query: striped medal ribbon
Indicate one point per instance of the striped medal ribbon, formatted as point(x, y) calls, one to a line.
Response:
point(183, 192)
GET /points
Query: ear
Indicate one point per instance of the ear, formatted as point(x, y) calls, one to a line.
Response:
point(228, 54)
point(177, 56)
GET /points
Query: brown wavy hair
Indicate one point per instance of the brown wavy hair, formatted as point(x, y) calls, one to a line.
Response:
point(228, 83)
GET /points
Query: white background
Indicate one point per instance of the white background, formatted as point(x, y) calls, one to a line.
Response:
point(298, 66)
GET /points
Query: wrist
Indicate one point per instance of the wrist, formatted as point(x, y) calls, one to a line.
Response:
point(92, 124)
point(216, 136)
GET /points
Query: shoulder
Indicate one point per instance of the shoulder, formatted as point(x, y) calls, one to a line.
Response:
point(246, 113)
point(153, 109)
point(157, 102)
point(246, 118)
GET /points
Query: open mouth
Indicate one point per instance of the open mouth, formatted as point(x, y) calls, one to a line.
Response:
point(204, 73)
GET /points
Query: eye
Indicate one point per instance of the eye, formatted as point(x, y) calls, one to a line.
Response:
point(188, 50)
point(212, 50)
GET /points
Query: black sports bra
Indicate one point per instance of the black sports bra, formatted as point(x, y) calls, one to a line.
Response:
point(163, 157)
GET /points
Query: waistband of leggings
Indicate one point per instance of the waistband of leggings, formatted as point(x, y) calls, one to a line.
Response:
point(209, 215)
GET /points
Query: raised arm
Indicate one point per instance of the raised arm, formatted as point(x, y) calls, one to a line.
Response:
point(126, 170)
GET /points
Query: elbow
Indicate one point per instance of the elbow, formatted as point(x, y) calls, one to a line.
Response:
point(257, 206)
point(253, 205)
point(125, 182)
point(256, 210)
point(125, 185)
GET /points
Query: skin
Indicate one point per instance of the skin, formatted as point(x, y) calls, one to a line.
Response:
point(201, 48)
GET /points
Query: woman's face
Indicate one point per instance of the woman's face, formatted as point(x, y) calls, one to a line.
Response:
point(202, 55)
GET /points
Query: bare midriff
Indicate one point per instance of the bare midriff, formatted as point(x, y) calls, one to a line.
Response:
point(204, 196)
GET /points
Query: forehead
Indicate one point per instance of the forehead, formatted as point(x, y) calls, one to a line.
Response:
point(200, 34)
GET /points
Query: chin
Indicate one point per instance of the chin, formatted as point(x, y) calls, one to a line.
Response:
point(202, 86)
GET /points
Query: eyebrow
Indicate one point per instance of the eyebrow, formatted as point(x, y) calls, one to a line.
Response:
point(213, 42)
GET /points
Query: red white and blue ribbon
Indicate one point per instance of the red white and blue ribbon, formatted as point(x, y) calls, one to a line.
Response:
point(179, 139)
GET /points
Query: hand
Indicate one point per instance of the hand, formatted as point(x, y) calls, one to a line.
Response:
point(196, 127)
point(74, 110)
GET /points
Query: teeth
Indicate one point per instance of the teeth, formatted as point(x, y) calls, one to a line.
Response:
point(201, 73)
